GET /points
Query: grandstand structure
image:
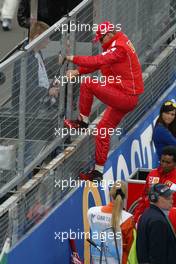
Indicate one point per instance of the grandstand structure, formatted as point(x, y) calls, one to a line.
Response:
point(28, 132)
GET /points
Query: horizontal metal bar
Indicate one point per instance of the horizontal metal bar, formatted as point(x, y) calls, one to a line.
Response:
point(11, 60)
point(53, 145)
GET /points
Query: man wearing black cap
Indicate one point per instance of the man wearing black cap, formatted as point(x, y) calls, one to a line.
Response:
point(156, 240)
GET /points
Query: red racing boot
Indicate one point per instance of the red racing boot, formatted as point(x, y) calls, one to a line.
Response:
point(93, 175)
point(77, 124)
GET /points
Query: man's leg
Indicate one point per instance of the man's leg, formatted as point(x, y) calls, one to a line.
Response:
point(109, 95)
point(119, 104)
point(109, 121)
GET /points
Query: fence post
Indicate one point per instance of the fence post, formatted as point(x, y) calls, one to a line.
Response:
point(71, 50)
point(22, 106)
point(61, 106)
point(13, 224)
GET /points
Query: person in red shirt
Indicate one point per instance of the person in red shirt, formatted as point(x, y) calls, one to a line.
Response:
point(123, 84)
point(165, 174)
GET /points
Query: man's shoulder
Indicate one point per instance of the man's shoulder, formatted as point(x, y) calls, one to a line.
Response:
point(154, 173)
point(32, 59)
point(121, 36)
point(119, 39)
point(160, 131)
point(173, 171)
point(153, 214)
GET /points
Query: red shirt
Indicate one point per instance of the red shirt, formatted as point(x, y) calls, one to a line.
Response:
point(118, 59)
point(155, 176)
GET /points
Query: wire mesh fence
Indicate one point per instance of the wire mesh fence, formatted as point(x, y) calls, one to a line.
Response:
point(8, 129)
point(37, 197)
point(28, 114)
point(29, 117)
point(144, 22)
point(4, 228)
point(47, 188)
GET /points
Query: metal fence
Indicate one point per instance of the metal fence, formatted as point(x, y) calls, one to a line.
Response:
point(27, 124)
point(28, 118)
point(145, 22)
point(35, 199)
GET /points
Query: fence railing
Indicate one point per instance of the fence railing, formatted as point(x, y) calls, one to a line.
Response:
point(28, 124)
point(28, 117)
point(35, 199)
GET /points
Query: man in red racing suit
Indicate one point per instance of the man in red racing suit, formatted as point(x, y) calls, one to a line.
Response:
point(122, 73)
point(165, 174)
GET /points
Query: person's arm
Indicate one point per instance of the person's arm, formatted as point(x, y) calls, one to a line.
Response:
point(23, 14)
point(162, 134)
point(79, 71)
point(106, 58)
point(157, 242)
point(169, 139)
point(127, 234)
point(86, 70)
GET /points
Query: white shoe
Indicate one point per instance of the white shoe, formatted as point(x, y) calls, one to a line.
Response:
point(6, 24)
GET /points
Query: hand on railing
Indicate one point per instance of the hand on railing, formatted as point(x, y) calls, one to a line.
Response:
point(72, 73)
point(61, 60)
point(54, 91)
point(70, 58)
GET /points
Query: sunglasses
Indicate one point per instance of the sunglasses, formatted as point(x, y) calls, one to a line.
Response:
point(101, 39)
point(170, 103)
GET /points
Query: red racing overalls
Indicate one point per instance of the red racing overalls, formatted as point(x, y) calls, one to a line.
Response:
point(123, 84)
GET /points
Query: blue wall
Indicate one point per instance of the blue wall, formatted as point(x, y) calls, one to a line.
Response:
point(135, 150)
point(41, 247)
